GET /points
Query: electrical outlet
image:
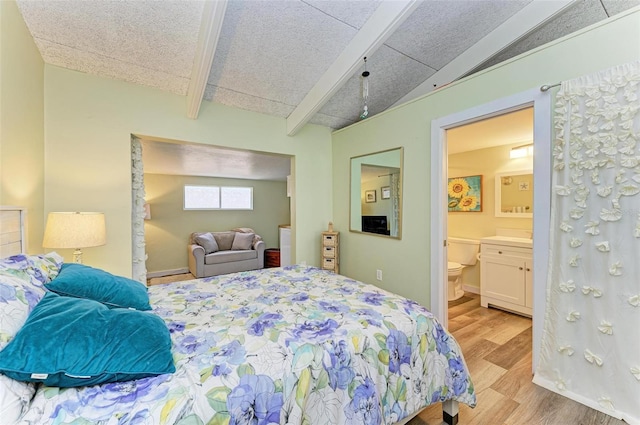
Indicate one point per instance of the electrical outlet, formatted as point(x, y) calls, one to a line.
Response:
point(303, 263)
point(379, 274)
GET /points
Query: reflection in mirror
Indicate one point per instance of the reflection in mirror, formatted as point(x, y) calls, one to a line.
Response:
point(376, 193)
point(514, 194)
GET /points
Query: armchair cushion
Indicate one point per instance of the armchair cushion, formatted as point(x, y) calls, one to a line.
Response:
point(222, 257)
point(208, 242)
point(256, 238)
point(242, 241)
point(224, 240)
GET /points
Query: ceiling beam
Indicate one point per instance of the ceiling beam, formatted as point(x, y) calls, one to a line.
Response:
point(384, 21)
point(210, 27)
point(524, 22)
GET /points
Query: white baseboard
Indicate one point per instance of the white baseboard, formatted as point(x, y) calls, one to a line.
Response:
point(472, 289)
point(163, 273)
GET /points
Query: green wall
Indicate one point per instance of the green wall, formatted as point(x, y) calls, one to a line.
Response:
point(389, 158)
point(89, 121)
point(406, 263)
point(21, 122)
point(485, 162)
point(380, 206)
point(167, 233)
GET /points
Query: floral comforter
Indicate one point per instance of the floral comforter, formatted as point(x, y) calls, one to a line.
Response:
point(290, 346)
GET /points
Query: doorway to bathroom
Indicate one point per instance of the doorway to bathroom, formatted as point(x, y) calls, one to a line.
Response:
point(538, 104)
point(482, 203)
point(479, 155)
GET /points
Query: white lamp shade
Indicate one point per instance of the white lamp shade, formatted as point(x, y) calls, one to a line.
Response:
point(74, 230)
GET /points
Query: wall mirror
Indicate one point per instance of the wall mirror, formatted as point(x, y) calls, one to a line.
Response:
point(376, 193)
point(514, 194)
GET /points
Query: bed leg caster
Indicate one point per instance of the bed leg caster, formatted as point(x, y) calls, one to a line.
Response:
point(450, 412)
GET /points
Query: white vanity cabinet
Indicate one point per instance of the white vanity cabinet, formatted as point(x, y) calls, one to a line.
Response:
point(506, 276)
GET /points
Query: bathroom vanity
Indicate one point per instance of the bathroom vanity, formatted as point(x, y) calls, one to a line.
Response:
point(506, 277)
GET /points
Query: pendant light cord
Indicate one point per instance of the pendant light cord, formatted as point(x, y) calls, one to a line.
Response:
point(365, 91)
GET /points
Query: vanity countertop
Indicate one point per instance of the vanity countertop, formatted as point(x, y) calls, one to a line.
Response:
point(508, 240)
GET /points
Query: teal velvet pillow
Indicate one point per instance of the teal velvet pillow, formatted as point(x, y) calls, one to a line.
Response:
point(72, 342)
point(80, 281)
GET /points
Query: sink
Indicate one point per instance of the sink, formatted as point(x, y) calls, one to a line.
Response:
point(508, 240)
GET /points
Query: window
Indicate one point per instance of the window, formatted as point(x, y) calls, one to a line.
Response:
point(236, 198)
point(201, 197)
point(218, 198)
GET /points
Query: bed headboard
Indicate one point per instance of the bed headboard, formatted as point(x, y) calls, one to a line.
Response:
point(12, 234)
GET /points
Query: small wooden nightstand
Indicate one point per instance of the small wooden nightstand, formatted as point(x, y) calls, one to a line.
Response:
point(271, 257)
point(330, 250)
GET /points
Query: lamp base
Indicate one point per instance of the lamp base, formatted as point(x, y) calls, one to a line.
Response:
point(77, 256)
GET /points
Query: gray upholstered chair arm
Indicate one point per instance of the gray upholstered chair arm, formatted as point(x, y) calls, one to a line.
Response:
point(260, 247)
point(196, 260)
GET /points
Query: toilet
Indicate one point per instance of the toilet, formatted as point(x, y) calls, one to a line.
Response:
point(461, 253)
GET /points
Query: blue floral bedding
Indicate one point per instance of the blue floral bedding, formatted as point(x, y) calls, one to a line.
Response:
point(285, 346)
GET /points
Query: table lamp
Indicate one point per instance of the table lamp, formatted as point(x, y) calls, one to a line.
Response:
point(74, 230)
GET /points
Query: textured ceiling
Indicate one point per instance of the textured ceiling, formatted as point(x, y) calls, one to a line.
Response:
point(271, 53)
point(185, 159)
point(144, 42)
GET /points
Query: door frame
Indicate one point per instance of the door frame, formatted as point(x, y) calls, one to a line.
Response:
point(541, 103)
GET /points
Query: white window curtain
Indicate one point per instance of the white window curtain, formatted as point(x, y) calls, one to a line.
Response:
point(137, 213)
point(591, 340)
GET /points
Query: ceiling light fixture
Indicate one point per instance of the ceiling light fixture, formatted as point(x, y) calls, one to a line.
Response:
point(521, 151)
point(365, 91)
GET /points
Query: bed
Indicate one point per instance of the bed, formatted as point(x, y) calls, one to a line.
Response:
point(286, 345)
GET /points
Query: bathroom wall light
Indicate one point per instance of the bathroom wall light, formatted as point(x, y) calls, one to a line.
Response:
point(521, 151)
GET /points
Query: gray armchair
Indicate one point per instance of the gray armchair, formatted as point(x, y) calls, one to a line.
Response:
point(216, 253)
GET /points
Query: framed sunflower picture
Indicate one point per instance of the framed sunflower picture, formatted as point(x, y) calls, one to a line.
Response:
point(465, 194)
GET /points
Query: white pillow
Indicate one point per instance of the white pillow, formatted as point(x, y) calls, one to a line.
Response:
point(17, 298)
point(15, 398)
point(22, 279)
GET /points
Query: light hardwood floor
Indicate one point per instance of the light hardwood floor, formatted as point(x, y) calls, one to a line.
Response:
point(497, 348)
point(169, 279)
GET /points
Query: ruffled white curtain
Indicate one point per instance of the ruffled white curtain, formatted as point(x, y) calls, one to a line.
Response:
point(591, 341)
point(137, 213)
point(395, 203)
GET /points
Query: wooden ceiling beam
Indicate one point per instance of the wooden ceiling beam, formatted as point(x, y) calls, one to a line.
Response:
point(523, 23)
point(384, 21)
point(210, 27)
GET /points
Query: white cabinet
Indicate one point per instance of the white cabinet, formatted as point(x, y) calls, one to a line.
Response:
point(285, 245)
point(506, 277)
